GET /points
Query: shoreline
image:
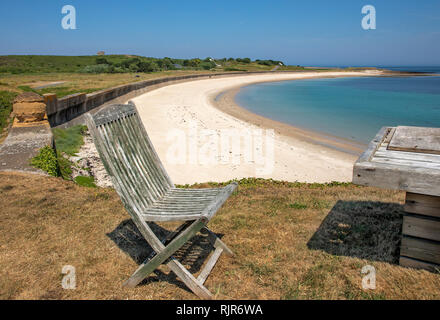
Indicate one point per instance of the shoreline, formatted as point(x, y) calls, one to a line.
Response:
point(299, 154)
point(225, 101)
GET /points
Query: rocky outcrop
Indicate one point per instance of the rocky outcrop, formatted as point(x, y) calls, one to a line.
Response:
point(29, 107)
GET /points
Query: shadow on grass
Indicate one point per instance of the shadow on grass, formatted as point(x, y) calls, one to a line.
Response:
point(362, 229)
point(192, 254)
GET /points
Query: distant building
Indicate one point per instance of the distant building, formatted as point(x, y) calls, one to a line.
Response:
point(177, 66)
point(101, 53)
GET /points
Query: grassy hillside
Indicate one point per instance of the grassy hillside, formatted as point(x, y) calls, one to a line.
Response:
point(291, 241)
point(128, 63)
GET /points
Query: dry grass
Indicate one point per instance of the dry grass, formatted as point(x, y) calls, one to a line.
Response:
point(291, 242)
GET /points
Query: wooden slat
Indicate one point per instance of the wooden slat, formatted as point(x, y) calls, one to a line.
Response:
point(209, 265)
point(388, 176)
point(422, 204)
point(417, 264)
point(425, 250)
point(421, 227)
point(409, 163)
point(422, 157)
point(416, 139)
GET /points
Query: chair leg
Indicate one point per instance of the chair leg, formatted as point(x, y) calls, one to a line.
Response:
point(147, 267)
point(216, 242)
point(190, 281)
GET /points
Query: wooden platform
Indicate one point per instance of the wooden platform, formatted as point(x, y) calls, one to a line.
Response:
point(416, 139)
point(381, 166)
point(408, 159)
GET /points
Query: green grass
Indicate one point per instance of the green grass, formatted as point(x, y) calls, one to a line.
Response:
point(50, 64)
point(59, 91)
point(85, 181)
point(6, 98)
point(69, 140)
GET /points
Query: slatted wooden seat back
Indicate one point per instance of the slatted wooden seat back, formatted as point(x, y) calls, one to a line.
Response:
point(129, 156)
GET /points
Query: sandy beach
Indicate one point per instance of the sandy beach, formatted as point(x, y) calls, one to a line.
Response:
point(202, 135)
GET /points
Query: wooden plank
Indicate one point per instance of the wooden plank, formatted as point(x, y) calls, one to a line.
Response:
point(417, 264)
point(423, 157)
point(425, 250)
point(209, 265)
point(416, 139)
point(410, 179)
point(404, 162)
point(421, 227)
point(389, 135)
point(422, 204)
point(373, 145)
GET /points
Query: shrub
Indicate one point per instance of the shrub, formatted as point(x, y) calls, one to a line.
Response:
point(148, 66)
point(244, 60)
point(6, 98)
point(98, 68)
point(46, 160)
point(101, 60)
point(207, 65)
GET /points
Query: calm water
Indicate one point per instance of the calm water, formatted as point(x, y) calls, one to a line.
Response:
point(354, 108)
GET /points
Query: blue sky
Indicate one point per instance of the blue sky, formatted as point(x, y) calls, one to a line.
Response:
point(313, 32)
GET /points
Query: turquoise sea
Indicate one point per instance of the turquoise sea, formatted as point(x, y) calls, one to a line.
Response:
point(353, 108)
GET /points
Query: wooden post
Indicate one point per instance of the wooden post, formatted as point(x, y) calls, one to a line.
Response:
point(420, 246)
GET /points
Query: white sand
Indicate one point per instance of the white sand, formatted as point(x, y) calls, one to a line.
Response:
point(169, 110)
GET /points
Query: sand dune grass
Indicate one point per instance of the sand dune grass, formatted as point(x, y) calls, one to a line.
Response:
point(291, 242)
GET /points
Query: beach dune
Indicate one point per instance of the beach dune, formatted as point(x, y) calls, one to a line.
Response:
point(201, 139)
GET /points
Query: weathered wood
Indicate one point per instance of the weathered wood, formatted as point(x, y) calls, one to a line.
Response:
point(421, 227)
point(409, 171)
point(417, 264)
point(209, 265)
point(416, 139)
point(190, 281)
point(148, 193)
point(422, 204)
point(420, 249)
point(149, 266)
point(419, 157)
point(216, 242)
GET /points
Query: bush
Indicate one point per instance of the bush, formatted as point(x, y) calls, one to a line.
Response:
point(6, 98)
point(101, 60)
point(98, 68)
point(207, 65)
point(148, 66)
point(46, 160)
point(244, 60)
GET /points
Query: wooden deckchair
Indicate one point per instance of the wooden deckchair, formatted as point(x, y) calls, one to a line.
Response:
point(148, 194)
